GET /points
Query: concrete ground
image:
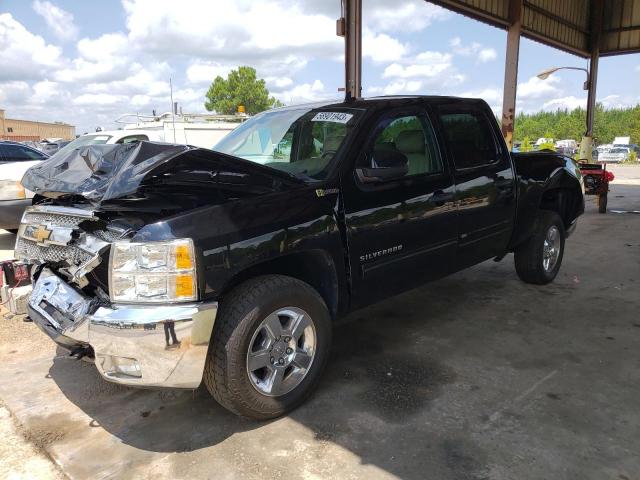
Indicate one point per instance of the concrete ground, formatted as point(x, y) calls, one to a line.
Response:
point(476, 376)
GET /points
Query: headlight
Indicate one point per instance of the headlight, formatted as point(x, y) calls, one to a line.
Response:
point(153, 272)
point(11, 190)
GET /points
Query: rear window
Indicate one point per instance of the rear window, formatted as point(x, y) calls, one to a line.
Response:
point(469, 138)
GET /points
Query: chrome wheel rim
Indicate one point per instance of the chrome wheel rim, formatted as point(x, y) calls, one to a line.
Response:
point(281, 351)
point(551, 249)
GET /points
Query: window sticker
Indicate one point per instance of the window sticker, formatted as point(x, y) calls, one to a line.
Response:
point(336, 117)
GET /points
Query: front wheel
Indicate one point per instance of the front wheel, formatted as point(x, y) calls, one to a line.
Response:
point(270, 344)
point(602, 202)
point(538, 260)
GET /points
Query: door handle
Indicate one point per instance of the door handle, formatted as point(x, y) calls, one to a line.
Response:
point(439, 198)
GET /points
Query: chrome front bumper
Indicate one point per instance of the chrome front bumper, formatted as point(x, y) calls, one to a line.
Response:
point(147, 346)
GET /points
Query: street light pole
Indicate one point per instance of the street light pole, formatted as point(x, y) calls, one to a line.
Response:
point(586, 144)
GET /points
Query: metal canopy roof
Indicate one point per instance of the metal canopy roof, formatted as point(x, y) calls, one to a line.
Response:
point(564, 24)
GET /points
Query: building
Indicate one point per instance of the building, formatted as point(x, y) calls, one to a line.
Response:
point(23, 130)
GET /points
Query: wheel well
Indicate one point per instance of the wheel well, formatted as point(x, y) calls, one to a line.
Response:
point(563, 200)
point(314, 267)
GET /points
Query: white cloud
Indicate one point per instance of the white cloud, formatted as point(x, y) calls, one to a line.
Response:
point(307, 92)
point(230, 32)
point(381, 47)
point(397, 16)
point(398, 87)
point(570, 102)
point(204, 73)
point(278, 83)
point(482, 54)
point(426, 64)
point(96, 99)
point(23, 55)
point(534, 88)
point(59, 21)
point(486, 55)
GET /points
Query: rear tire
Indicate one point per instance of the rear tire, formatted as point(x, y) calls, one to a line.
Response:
point(602, 203)
point(538, 260)
point(244, 332)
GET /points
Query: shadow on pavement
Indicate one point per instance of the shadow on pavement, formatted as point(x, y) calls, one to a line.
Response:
point(379, 378)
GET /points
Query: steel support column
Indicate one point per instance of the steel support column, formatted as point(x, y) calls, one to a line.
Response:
point(353, 47)
point(586, 146)
point(511, 71)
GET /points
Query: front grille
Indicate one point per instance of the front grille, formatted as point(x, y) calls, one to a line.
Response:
point(28, 250)
point(47, 218)
point(43, 252)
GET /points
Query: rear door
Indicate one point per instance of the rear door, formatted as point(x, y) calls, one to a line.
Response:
point(401, 231)
point(485, 181)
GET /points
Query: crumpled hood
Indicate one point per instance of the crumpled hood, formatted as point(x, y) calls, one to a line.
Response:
point(100, 173)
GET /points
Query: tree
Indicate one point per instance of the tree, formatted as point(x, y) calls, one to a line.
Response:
point(241, 87)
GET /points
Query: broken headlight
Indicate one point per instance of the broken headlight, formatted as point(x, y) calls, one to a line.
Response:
point(154, 272)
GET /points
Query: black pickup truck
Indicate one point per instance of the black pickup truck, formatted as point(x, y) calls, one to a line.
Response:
point(170, 265)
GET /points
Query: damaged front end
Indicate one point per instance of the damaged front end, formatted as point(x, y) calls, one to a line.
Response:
point(97, 196)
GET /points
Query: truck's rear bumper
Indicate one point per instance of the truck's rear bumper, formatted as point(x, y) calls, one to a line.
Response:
point(146, 346)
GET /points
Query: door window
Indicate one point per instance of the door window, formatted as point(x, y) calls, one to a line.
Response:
point(17, 153)
point(469, 138)
point(408, 137)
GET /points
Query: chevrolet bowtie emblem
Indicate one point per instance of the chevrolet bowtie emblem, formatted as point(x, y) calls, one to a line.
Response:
point(41, 233)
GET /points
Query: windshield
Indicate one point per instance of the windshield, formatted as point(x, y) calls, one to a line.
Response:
point(618, 150)
point(82, 141)
point(299, 141)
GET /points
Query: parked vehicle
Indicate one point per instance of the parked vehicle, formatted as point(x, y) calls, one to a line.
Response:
point(615, 155)
point(15, 159)
point(52, 147)
point(170, 265)
point(198, 129)
point(111, 137)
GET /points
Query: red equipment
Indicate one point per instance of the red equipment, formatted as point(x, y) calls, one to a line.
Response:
point(596, 182)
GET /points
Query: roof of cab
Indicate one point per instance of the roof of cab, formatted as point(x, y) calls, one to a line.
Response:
point(374, 102)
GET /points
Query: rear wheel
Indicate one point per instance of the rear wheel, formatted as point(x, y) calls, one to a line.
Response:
point(270, 344)
point(602, 203)
point(538, 260)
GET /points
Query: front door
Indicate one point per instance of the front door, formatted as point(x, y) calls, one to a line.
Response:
point(401, 229)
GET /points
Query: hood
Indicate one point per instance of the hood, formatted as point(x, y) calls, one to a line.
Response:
point(149, 173)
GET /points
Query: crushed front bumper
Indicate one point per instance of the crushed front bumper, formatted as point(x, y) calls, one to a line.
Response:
point(146, 346)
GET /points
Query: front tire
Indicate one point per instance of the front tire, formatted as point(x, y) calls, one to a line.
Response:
point(602, 203)
point(270, 344)
point(538, 260)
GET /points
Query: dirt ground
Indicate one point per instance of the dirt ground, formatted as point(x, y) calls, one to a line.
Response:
point(476, 376)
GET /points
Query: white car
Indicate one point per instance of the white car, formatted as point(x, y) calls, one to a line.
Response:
point(615, 155)
point(15, 159)
point(111, 137)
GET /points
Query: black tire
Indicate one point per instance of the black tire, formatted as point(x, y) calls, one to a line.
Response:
point(530, 255)
point(602, 202)
point(241, 313)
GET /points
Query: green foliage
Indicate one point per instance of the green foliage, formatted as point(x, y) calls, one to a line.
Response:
point(633, 158)
point(241, 87)
point(562, 124)
point(526, 145)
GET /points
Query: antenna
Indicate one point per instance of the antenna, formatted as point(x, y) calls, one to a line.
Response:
point(173, 112)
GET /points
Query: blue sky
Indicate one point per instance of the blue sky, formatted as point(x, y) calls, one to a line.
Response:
point(86, 63)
